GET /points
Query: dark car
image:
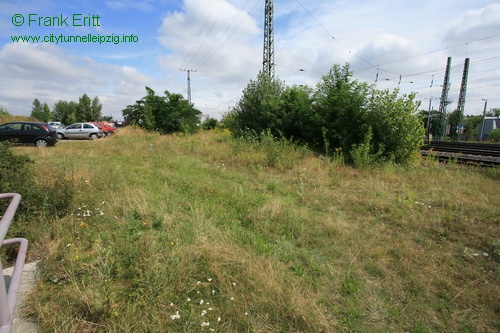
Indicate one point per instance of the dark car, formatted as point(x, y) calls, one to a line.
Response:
point(27, 132)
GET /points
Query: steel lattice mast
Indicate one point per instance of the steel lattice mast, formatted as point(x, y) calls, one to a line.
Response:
point(444, 100)
point(461, 99)
point(268, 60)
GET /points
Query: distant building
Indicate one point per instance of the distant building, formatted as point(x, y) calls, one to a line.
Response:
point(490, 123)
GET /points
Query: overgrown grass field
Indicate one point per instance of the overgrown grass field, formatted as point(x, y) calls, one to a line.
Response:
point(206, 233)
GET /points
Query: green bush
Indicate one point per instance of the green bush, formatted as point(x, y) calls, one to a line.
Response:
point(494, 135)
point(48, 199)
point(337, 115)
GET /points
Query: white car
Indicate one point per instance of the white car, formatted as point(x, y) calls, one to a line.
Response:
point(80, 131)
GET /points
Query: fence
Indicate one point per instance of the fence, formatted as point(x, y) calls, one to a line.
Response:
point(8, 297)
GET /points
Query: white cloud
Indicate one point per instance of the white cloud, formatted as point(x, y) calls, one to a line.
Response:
point(50, 73)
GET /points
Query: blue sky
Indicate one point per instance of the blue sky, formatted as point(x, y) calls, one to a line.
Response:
point(221, 41)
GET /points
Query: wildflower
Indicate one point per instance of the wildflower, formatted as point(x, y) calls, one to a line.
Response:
point(234, 283)
point(171, 304)
point(205, 324)
point(76, 257)
point(189, 299)
point(172, 243)
point(175, 316)
point(198, 282)
point(209, 279)
point(213, 292)
point(68, 245)
point(203, 312)
point(232, 298)
point(218, 319)
point(201, 302)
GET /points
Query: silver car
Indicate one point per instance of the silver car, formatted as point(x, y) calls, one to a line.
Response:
point(80, 131)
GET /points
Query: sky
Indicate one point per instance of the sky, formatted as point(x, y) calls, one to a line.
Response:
point(132, 44)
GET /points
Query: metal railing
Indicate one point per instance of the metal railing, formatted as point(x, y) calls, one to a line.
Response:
point(8, 297)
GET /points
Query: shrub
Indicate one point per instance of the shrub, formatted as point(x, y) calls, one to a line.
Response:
point(50, 198)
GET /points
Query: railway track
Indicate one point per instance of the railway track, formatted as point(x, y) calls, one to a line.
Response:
point(479, 154)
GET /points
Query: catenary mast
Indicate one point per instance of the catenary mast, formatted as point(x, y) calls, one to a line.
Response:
point(268, 60)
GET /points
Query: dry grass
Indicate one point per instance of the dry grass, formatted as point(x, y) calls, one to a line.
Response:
point(274, 238)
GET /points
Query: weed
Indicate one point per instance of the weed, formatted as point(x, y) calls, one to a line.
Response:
point(254, 234)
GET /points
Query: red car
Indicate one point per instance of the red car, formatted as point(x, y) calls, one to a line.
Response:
point(108, 130)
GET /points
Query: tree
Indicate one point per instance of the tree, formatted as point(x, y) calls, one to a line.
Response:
point(37, 110)
point(178, 115)
point(4, 112)
point(435, 123)
point(340, 105)
point(84, 109)
point(65, 112)
point(397, 132)
point(369, 125)
point(453, 120)
point(494, 112)
point(300, 122)
point(167, 114)
point(209, 124)
point(95, 109)
point(259, 107)
point(471, 127)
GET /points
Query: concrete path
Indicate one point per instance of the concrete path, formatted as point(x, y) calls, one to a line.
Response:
point(21, 323)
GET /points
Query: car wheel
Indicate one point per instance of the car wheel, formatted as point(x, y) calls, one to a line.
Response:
point(93, 136)
point(41, 143)
point(60, 136)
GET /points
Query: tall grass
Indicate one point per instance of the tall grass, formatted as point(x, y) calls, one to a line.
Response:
point(209, 233)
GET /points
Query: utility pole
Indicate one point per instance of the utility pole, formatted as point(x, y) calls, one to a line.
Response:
point(189, 83)
point(461, 98)
point(444, 99)
point(268, 59)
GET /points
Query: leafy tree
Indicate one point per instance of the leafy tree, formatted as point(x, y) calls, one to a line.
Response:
point(453, 120)
point(369, 125)
point(46, 113)
point(471, 123)
point(300, 122)
point(340, 105)
point(95, 109)
point(495, 112)
point(37, 110)
point(41, 111)
point(179, 115)
point(4, 112)
point(167, 114)
point(65, 112)
point(259, 107)
point(209, 124)
point(397, 131)
point(84, 109)
point(435, 122)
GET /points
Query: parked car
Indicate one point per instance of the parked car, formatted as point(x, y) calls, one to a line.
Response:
point(105, 128)
point(56, 124)
point(28, 132)
point(80, 131)
point(110, 127)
